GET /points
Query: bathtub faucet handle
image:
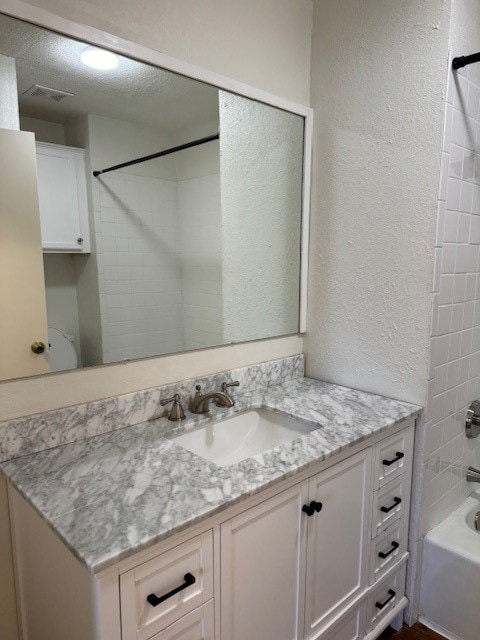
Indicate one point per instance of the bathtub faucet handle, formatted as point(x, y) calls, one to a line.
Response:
point(473, 475)
point(472, 420)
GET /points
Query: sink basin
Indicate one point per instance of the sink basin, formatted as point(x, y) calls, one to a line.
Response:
point(228, 441)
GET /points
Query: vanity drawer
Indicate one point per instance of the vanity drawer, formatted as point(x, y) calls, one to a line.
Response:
point(159, 592)
point(389, 503)
point(387, 549)
point(196, 625)
point(385, 597)
point(393, 456)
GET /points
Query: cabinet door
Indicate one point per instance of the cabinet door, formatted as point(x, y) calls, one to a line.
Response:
point(337, 539)
point(59, 199)
point(262, 570)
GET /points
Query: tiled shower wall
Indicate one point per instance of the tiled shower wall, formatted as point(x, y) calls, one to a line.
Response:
point(442, 451)
point(157, 265)
point(455, 336)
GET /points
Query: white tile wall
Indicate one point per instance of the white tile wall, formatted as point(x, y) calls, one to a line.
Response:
point(136, 225)
point(455, 332)
point(159, 267)
point(442, 452)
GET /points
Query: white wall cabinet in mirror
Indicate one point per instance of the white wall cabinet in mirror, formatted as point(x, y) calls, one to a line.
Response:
point(62, 194)
point(195, 190)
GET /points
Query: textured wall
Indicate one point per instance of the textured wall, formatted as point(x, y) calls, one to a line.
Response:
point(9, 118)
point(261, 150)
point(378, 121)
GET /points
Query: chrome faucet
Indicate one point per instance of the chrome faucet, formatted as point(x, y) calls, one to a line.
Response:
point(201, 403)
point(473, 475)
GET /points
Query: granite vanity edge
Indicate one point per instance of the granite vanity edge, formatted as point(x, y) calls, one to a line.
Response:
point(38, 432)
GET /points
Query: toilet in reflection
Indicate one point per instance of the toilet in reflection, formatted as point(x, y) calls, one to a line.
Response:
point(63, 355)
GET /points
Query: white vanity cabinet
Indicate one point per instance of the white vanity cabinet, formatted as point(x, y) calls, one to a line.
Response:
point(310, 558)
point(279, 555)
point(62, 193)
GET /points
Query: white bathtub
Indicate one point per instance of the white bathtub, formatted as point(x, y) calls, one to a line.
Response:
point(450, 593)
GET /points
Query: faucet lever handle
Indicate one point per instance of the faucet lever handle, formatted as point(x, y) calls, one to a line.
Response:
point(226, 385)
point(176, 412)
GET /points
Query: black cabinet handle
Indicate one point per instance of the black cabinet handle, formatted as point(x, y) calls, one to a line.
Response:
point(155, 600)
point(396, 502)
point(385, 554)
point(398, 456)
point(311, 508)
point(308, 509)
point(391, 595)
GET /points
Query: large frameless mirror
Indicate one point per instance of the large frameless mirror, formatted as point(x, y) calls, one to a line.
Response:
point(171, 210)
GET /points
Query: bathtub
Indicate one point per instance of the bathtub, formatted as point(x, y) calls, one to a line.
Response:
point(450, 591)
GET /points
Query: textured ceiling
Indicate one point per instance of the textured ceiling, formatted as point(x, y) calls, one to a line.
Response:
point(135, 91)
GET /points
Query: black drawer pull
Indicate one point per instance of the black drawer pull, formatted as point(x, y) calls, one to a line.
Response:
point(385, 554)
point(396, 502)
point(391, 595)
point(318, 506)
point(155, 600)
point(398, 456)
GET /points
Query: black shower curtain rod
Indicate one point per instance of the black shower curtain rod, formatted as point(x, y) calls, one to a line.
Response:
point(165, 152)
point(462, 61)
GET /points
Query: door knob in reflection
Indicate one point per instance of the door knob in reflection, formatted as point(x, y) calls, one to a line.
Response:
point(37, 347)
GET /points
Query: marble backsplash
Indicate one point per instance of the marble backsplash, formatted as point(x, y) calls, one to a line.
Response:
point(42, 431)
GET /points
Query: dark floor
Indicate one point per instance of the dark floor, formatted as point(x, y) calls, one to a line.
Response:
point(417, 632)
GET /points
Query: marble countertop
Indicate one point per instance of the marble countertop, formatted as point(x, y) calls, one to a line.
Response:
point(110, 496)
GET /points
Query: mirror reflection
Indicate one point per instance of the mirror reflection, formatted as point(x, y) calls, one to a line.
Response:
point(194, 247)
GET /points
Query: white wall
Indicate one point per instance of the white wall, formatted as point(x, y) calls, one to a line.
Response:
point(264, 43)
point(200, 161)
point(115, 141)
point(200, 256)
point(261, 154)
point(44, 131)
point(378, 71)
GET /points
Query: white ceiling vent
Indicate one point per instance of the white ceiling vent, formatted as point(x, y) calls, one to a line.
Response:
point(47, 92)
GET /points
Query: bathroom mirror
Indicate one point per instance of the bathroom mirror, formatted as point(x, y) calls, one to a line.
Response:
point(199, 246)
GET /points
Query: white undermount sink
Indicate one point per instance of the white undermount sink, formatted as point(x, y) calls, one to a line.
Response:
point(228, 441)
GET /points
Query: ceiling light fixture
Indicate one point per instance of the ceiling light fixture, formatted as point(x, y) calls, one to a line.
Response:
point(99, 59)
